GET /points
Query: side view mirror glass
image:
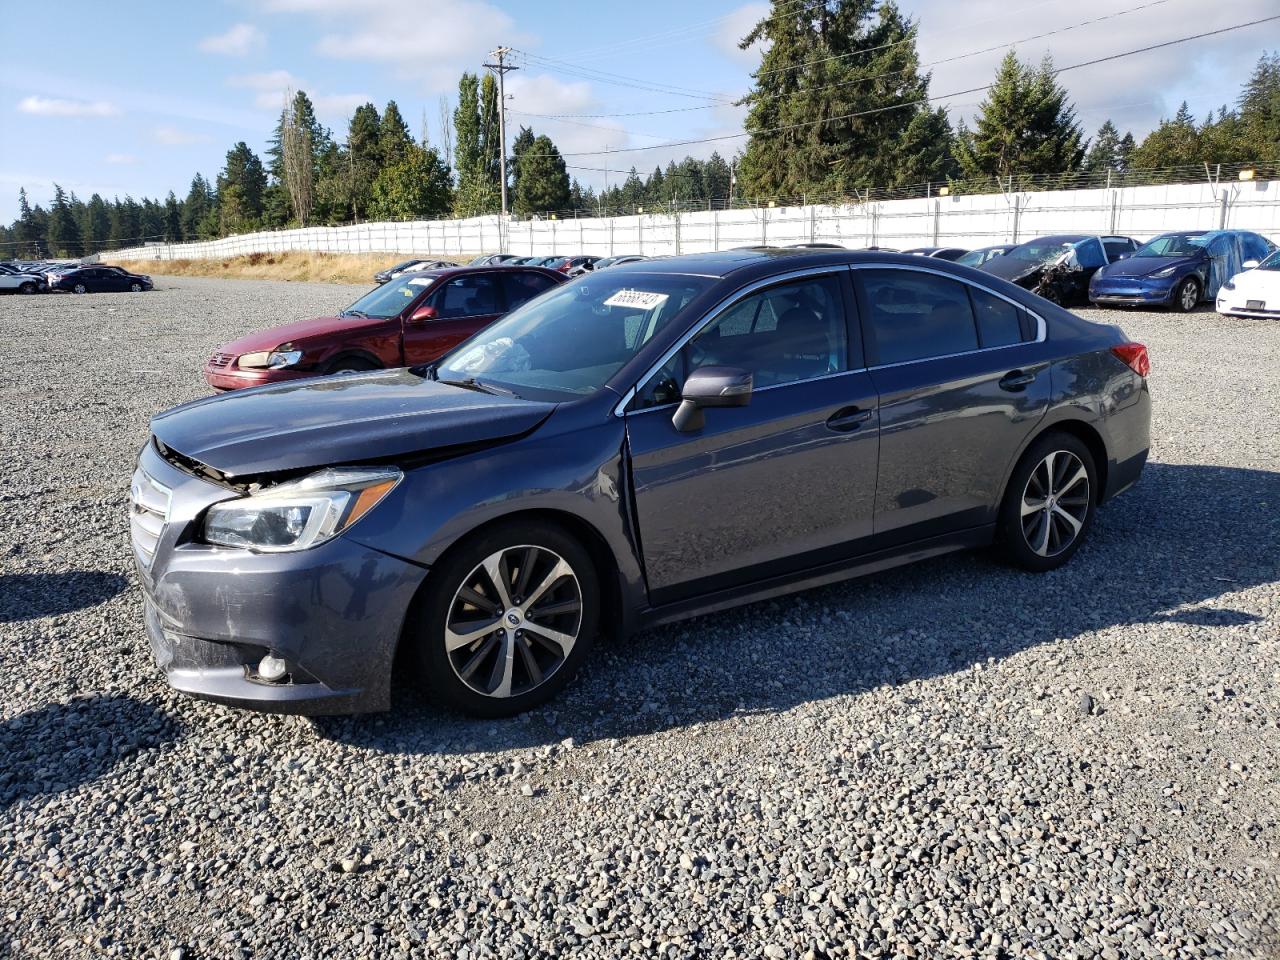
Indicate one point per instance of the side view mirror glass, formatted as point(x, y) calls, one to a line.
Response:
point(423, 314)
point(711, 387)
point(1249, 264)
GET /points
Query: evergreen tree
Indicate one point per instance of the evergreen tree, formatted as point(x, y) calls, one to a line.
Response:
point(1104, 151)
point(97, 225)
point(631, 193)
point(245, 171)
point(1124, 152)
point(655, 188)
point(490, 136)
point(1025, 126)
point(126, 222)
point(63, 237)
point(836, 88)
point(364, 135)
point(1259, 110)
point(152, 220)
point(417, 186)
point(476, 193)
point(544, 181)
point(1174, 143)
point(925, 153)
point(520, 146)
point(197, 209)
point(716, 176)
point(394, 140)
point(27, 232)
point(172, 219)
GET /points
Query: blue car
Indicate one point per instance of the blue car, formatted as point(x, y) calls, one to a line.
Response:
point(1177, 270)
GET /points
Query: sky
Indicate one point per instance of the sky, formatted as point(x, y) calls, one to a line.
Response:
point(134, 98)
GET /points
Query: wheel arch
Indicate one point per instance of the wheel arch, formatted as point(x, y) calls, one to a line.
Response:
point(353, 353)
point(614, 616)
point(1087, 434)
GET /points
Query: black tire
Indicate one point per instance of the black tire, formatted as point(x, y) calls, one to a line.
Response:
point(27, 287)
point(1186, 297)
point(135, 288)
point(1015, 530)
point(443, 597)
point(79, 288)
point(352, 365)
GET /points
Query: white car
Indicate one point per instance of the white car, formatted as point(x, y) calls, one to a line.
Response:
point(1255, 292)
point(13, 279)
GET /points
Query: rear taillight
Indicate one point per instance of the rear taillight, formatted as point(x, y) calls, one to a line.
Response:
point(1135, 358)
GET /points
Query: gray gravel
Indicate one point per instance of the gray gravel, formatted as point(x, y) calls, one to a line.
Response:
point(949, 760)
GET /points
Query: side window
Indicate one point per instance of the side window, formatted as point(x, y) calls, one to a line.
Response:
point(472, 296)
point(1089, 253)
point(915, 316)
point(522, 287)
point(784, 334)
point(1254, 247)
point(1117, 248)
point(999, 321)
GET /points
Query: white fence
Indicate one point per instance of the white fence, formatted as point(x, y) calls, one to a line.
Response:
point(967, 221)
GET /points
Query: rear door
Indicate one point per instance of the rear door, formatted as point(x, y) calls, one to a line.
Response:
point(962, 382)
point(783, 484)
point(521, 286)
point(463, 304)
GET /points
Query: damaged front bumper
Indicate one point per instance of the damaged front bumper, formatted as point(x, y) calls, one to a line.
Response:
point(333, 613)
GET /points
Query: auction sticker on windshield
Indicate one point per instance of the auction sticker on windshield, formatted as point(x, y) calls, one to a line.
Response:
point(637, 299)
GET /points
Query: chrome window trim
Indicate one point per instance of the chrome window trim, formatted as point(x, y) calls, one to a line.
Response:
point(731, 300)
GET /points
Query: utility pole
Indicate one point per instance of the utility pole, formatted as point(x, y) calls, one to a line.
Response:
point(502, 68)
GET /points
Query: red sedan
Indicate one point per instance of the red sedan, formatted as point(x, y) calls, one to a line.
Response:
point(410, 320)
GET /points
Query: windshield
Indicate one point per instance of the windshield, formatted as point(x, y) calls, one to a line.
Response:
point(572, 339)
point(972, 259)
point(1174, 245)
point(1038, 251)
point(390, 299)
point(1271, 263)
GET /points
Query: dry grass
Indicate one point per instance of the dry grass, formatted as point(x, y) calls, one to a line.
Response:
point(316, 267)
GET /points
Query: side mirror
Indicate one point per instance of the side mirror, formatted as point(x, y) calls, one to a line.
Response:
point(711, 387)
point(423, 314)
point(1249, 264)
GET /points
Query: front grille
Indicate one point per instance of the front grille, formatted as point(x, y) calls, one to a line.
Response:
point(221, 359)
point(148, 513)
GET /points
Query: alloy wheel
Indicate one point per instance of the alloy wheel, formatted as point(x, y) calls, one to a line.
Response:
point(1190, 295)
point(513, 621)
point(136, 288)
point(81, 288)
point(1055, 503)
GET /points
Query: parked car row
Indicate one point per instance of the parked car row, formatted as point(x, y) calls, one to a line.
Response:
point(560, 458)
point(52, 276)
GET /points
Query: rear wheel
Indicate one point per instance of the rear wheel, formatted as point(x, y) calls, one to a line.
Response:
point(507, 619)
point(135, 287)
point(79, 288)
point(1049, 504)
point(27, 287)
point(1187, 295)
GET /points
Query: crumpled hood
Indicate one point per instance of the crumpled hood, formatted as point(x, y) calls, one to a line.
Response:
point(341, 419)
point(299, 331)
point(1142, 266)
point(1007, 268)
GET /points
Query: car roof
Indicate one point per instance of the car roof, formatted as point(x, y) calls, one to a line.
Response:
point(750, 263)
point(478, 268)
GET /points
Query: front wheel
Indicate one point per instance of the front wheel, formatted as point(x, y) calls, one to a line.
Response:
point(1187, 295)
point(27, 287)
point(507, 619)
point(135, 288)
point(352, 365)
point(79, 288)
point(1049, 504)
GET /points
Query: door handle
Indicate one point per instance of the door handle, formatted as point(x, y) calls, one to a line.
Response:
point(848, 418)
point(1015, 380)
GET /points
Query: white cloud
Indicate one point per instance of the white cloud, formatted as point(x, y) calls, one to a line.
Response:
point(431, 42)
point(734, 26)
point(53, 107)
point(240, 41)
point(270, 89)
point(174, 137)
point(338, 104)
point(121, 159)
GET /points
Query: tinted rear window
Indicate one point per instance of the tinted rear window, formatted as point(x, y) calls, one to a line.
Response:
point(914, 316)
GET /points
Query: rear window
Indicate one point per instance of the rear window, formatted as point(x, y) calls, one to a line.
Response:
point(916, 316)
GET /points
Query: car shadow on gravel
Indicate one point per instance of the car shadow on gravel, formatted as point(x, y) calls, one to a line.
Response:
point(1163, 552)
point(29, 596)
point(58, 747)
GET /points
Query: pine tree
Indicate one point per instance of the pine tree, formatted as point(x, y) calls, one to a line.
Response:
point(393, 135)
point(716, 176)
point(364, 134)
point(522, 144)
point(544, 181)
point(196, 209)
point(925, 153)
point(63, 237)
point(1259, 110)
point(1174, 143)
point(97, 225)
point(1025, 126)
point(172, 219)
point(490, 137)
point(245, 172)
point(1124, 152)
point(836, 89)
point(1104, 149)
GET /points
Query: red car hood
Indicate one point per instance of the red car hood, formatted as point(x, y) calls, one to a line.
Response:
point(298, 331)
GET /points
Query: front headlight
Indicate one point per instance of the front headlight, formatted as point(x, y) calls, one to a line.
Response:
point(1161, 274)
point(300, 514)
point(1229, 285)
point(284, 355)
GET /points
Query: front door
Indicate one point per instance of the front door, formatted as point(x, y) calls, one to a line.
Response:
point(784, 483)
point(963, 379)
point(463, 305)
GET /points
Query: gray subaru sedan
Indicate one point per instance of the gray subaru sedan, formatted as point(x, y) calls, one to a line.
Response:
point(647, 443)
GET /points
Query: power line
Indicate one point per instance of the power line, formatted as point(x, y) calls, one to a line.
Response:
point(617, 79)
point(924, 100)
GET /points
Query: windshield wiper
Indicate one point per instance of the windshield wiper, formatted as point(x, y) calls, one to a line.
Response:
point(471, 383)
point(354, 313)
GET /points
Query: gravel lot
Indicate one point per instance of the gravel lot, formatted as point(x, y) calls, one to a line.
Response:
point(948, 760)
